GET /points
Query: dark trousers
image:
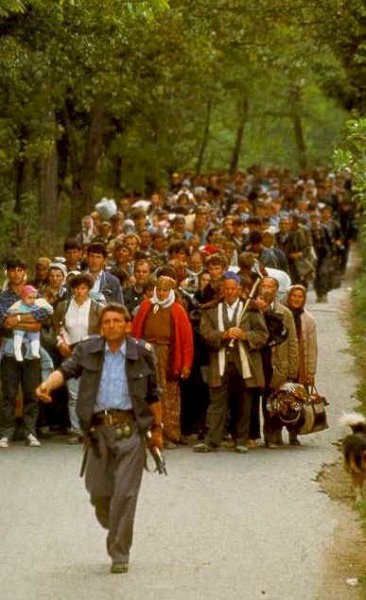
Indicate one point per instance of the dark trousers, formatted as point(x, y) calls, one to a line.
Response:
point(113, 479)
point(231, 397)
point(271, 424)
point(26, 374)
point(322, 281)
point(195, 399)
point(254, 423)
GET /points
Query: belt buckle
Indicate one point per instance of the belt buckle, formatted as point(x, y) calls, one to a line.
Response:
point(124, 430)
point(108, 418)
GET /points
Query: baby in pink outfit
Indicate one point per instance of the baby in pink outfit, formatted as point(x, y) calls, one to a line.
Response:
point(27, 305)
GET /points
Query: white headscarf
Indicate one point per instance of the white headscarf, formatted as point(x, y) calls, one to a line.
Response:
point(169, 300)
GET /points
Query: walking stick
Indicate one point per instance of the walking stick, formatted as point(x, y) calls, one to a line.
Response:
point(248, 300)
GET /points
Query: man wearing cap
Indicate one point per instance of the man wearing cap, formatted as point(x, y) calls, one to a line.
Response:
point(27, 373)
point(234, 338)
point(105, 233)
point(41, 273)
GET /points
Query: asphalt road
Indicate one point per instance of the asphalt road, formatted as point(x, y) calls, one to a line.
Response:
point(219, 526)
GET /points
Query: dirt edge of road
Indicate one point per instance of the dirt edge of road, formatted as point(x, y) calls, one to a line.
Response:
point(345, 561)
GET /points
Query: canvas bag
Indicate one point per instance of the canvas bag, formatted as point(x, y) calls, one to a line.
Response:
point(313, 414)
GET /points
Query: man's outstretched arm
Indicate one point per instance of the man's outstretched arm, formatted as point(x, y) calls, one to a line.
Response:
point(53, 381)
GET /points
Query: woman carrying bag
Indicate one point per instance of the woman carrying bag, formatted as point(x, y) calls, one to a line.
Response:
point(306, 339)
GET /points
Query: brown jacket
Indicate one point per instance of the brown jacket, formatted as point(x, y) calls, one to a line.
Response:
point(257, 334)
point(284, 357)
point(61, 310)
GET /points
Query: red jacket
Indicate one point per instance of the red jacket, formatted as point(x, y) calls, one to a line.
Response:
point(183, 336)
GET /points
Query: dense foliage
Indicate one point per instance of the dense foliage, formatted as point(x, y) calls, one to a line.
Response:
point(100, 98)
point(352, 155)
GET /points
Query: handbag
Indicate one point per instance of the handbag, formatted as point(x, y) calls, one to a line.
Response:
point(286, 403)
point(313, 412)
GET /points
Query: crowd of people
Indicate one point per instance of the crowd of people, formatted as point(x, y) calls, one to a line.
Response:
point(214, 271)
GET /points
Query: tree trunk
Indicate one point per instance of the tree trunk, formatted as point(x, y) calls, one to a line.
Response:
point(295, 107)
point(62, 149)
point(49, 206)
point(205, 137)
point(118, 164)
point(243, 107)
point(115, 131)
point(84, 170)
point(20, 169)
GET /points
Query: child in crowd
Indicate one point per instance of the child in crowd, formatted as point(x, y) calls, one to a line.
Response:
point(26, 305)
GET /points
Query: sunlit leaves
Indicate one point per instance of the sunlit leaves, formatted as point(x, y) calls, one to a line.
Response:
point(7, 7)
point(352, 155)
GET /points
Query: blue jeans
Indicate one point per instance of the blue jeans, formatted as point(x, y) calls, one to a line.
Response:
point(26, 374)
point(73, 389)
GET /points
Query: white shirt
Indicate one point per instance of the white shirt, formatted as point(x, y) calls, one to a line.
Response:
point(231, 309)
point(77, 321)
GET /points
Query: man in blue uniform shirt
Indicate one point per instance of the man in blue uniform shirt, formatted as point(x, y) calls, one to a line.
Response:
point(117, 404)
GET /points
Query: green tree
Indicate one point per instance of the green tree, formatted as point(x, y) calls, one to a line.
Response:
point(94, 101)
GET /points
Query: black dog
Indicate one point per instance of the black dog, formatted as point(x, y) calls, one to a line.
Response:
point(354, 451)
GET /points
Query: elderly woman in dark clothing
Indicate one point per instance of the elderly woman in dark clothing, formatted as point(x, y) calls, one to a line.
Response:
point(279, 357)
point(56, 289)
point(306, 335)
point(306, 340)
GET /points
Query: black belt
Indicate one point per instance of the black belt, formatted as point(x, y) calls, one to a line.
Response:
point(105, 418)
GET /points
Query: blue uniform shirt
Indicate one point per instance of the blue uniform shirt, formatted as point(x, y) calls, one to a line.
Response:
point(113, 389)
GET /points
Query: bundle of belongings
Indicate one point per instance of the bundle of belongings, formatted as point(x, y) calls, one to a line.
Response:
point(295, 404)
